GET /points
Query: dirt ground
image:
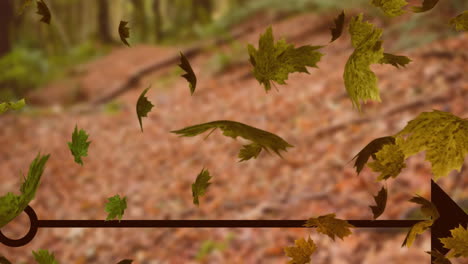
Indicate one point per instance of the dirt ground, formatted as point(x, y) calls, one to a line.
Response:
point(155, 169)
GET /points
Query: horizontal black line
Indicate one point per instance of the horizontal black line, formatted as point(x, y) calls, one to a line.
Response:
point(215, 223)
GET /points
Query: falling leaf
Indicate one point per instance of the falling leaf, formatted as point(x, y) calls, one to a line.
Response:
point(79, 146)
point(360, 81)
point(143, 106)
point(249, 151)
point(369, 150)
point(439, 257)
point(24, 5)
point(12, 105)
point(442, 135)
point(395, 60)
point(116, 207)
point(390, 160)
point(200, 185)
point(275, 61)
point(234, 129)
point(44, 257)
point(4, 260)
point(301, 253)
point(426, 6)
point(330, 226)
point(457, 243)
point(339, 25)
point(460, 22)
point(44, 11)
point(125, 261)
point(427, 207)
point(391, 8)
point(381, 201)
point(12, 205)
point(189, 75)
point(124, 32)
point(415, 230)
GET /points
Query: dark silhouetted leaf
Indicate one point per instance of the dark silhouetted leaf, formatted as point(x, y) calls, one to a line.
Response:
point(439, 257)
point(426, 6)
point(339, 25)
point(301, 253)
point(427, 207)
point(116, 207)
point(381, 201)
point(234, 129)
point(4, 260)
point(369, 150)
point(189, 75)
point(200, 185)
point(79, 146)
point(143, 106)
point(275, 61)
point(44, 11)
point(125, 261)
point(395, 60)
point(124, 32)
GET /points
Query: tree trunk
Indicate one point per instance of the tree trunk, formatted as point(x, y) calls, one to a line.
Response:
point(157, 20)
point(6, 20)
point(103, 22)
point(139, 18)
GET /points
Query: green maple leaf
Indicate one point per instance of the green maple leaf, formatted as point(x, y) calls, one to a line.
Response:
point(143, 107)
point(4, 260)
point(395, 60)
point(381, 202)
point(390, 160)
point(79, 146)
point(457, 243)
point(415, 230)
point(12, 105)
point(442, 135)
point(124, 32)
point(44, 11)
point(427, 207)
point(44, 257)
point(360, 81)
point(439, 257)
point(330, 226)
point(12, 205)
point(339, 25)
point(369, 150)
point(301, 253)
point(275, 61)
point(200, 185)
point(249, 151)
point(189, 75)
point(426, 6)
point(391, 8)
point(460, 22)
point(234, 129)
point(116, 207)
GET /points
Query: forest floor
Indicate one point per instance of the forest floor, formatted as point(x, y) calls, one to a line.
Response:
point(155, 169)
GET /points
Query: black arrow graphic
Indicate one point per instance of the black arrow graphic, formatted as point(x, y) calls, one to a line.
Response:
point(451, 215)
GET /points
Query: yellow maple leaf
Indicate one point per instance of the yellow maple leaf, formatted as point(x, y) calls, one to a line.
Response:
point(301, 253)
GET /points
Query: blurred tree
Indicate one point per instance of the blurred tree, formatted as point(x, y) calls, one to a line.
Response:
point(202, 11)
point(6, 20)
point(139, 19)
point(157, 20)
point(103, 19)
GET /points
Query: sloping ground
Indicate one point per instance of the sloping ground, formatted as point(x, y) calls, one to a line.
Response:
point(155, 169)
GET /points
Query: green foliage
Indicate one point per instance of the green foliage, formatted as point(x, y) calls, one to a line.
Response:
point(442, 135)
point(360, 81)
point(143, 106)
point(391, 8)
point(189, 75)
point(415, 230)
point(43, 256)
point(12, 105)
point(275, 61)
point(381, 202)
point(457, 243)
point(209, 246)
point(234, 129)
point(79, 146)
point(369, 150)
point(115, 207)
point(390, 160)
point(301, 253)
point(200, 185)
point(395, 60)
point(460, 22)
point(249, 151)
point(12, 205)
point(330, 226)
